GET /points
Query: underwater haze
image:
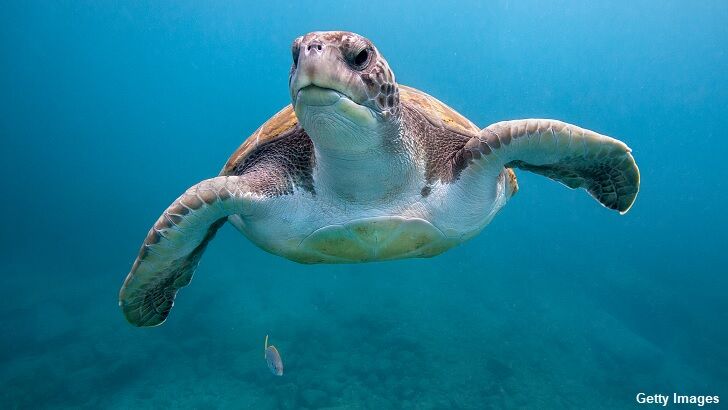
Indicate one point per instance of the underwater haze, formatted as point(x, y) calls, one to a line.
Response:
point(110, 110)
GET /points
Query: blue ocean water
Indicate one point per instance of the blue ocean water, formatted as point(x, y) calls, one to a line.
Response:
point(109, 110)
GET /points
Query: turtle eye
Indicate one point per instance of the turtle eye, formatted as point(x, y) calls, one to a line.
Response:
point(361, 59)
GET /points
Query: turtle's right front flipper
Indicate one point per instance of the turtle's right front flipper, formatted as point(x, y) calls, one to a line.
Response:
point(173, 248)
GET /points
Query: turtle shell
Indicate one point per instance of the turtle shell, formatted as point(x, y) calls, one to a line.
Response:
point(271, 130)
point(436, 112)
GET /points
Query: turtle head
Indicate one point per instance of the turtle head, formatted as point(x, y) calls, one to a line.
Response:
point(340, 82)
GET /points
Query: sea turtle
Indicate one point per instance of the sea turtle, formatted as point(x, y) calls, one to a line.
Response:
point(359, 168)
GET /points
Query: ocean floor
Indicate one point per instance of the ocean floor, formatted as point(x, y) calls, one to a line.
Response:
point(409, 334)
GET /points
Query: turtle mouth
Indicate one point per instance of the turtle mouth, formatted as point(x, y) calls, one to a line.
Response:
point(314, 95)
point(328, 101)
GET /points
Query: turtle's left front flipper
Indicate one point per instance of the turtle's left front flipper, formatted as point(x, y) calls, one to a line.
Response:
point(173, 248)
point(574, 156)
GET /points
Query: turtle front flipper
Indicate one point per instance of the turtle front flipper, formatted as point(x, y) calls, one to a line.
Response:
point(574, 156)
point(173, 248)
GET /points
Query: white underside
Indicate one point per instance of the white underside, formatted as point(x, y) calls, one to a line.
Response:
point(326, 228)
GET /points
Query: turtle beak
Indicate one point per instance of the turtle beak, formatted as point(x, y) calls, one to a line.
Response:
point(312, 71)
point(321, 75)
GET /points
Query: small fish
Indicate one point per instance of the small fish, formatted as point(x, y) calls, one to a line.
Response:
point(275, 364)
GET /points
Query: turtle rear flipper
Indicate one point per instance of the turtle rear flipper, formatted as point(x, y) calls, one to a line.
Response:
point(574, 156)
point(173, 248)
